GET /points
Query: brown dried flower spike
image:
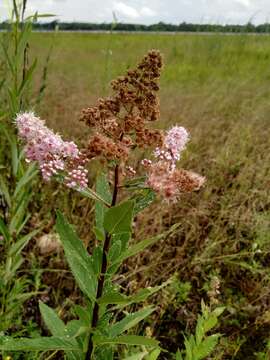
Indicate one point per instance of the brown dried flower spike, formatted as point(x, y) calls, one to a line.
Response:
point(121, 121)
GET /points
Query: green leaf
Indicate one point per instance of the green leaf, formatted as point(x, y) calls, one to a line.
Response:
point(12, 265)
point(126, 340)
point(91, 194)
point(121, 299)
point(52, 320)
point(14, 154)
point(123, 238)
point(28, 77)
point(36, 16)
point(178, 355)
point(137, 356)
point(189, 348)
point(97, 259)
point(129, 321)
point(24, 37)
point(76, 328)
point(58, 328)
point(30, 173)
point(4, 230)
point(113, 298)
point(143, 199)
point(100, 234)
point(9, 61)
point(22, 223)
point(200, 330)
point(134, 183)
point(210, 323)
point(16, 12)
point(78, 259)
point(218, 311)
point(4, 190)
point(143, 294)
point(118, 218)
point(83, 314)
point(18, 246)
point(115, 251)
point(19, 213)
point(206, 347)
point(153, 355)
point(38, 344)
point(119, 245)
point(137, 248)
point(103, 190)
point(105, 352)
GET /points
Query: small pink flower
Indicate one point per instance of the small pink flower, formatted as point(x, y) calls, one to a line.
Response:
point(131, 171)
point(77, 178)
point(146, 163)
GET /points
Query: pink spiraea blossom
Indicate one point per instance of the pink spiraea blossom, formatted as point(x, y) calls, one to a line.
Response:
point(174, 143)
point(163, 176)
point(53, 155)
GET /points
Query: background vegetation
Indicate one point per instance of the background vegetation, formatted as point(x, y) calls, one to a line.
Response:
point(218, 88)
point(159, 27)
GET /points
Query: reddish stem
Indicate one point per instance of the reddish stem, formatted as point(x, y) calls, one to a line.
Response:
point(101, 280)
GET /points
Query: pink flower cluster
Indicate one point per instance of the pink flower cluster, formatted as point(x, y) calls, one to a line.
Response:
point(174, 143)
point(54, 155)
point(163, 176)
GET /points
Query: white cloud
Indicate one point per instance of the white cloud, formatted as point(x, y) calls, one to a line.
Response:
point(146, 11)
point(129, 12)
point(245, 3)
point(126, 10)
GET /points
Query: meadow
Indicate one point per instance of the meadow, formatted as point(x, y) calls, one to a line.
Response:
point(218, 87)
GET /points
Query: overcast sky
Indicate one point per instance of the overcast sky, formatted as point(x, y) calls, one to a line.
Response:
point(151, 11)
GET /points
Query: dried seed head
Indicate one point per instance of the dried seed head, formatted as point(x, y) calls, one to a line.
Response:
point(125, 115)
point(149, 137)
point(100, 145)
point(170, 184)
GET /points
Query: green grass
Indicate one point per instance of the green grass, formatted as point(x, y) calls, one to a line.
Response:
point(204, 76)
point(218, 87)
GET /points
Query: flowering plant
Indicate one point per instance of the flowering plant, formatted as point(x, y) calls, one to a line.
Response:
point(120, 126)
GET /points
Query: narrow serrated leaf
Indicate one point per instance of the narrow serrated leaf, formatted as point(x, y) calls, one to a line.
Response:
point(38, 344)
point(78, 259)
point(129, 321)
point(52, 320)
point(126, 340)
point(207, 347)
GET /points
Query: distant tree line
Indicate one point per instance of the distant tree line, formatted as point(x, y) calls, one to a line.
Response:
point(159, 27)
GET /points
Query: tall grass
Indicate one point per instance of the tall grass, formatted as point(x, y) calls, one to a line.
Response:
point(16, 180)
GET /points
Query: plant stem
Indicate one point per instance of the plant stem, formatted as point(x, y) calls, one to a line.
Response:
point(101, 280)
point(115, 188)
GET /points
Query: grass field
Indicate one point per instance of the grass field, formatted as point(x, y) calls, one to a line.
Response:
point(218, 87)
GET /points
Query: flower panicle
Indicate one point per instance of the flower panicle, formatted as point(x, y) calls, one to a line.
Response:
point(127, 114)
point(53, 155)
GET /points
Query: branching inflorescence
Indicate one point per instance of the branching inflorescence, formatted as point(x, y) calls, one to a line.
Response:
point(120, 124)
